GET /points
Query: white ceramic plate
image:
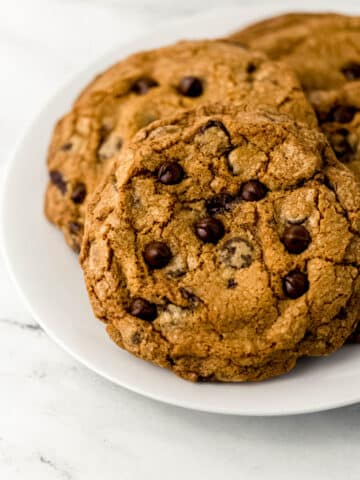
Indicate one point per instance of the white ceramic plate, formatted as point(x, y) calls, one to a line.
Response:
point(50, 280)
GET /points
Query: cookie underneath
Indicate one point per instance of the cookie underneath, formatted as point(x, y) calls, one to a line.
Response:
point(145, 87)
point(323, 51)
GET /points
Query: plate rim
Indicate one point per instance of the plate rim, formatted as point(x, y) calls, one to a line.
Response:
point(10, 166)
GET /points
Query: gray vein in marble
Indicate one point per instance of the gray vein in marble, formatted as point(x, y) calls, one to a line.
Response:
point(63, 473)
point(25, 326)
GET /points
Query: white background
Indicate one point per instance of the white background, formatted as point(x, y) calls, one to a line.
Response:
point(57, 419)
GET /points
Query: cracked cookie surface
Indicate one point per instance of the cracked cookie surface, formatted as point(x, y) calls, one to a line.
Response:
point(324, 51)
point(145, 87)
point(226, 246)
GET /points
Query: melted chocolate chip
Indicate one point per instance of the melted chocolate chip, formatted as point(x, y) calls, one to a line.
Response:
point(191, 297)
point(170, 173)
point(251, 68)
point(190, 87)
point(176, 273)
point(157, 254)
point(170, 360)
point(296, 238)
point(109, 147)
point(136, 338)
point(58, 180)
point(75, 228)
point(342, 313)
point(213, 124)
point(252, 191)
point(231, 283)
point(351, 71)
point(79, 193)
point(295, 284)
point(342, 114)
point(354, 338)
point(237, 253)
point(209, 230)
point(143, 85)
point(219, 203)
point(66, 147)
point(104, 132)
point(322, 116)
point(143, 309)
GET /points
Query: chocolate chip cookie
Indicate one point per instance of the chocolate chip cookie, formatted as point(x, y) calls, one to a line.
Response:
point(324, 51)
point(145, 87)
point(226, 246)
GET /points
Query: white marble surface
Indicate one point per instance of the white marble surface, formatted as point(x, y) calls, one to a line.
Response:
point(58, 421)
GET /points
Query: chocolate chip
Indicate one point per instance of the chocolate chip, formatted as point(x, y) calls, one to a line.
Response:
point(341, 145)
point(342, 313)
point(177, 273)
point(219, 203)
point(296, 238)
point(190, 87)
point(342, 114)
point(209, 230)
point(295, 284)
point(75, 228)
point(66, 147)
point(170, 360)
point(170, 173)
point(58, 180)
point(231, 283)
point(354, 338)
point(104, 131)
point(143, 309)
point(322, 116)
point(79, 193)
point(213, 124)
point(143, 85)
point(157, 254)
point(352, 71)
point(237, 253)
point(136, 338)
point(252, 191)
point(109, 147)
point(251, 68)
point(191, 297)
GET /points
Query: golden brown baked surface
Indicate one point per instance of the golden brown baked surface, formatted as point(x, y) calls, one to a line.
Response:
point(145, 87)
point(226, 245)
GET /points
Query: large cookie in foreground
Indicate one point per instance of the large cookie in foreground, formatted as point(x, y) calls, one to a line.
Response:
point(226, 246)
point(323, 50)
point(145, 87)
